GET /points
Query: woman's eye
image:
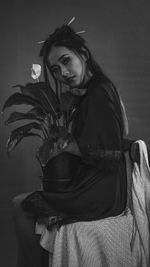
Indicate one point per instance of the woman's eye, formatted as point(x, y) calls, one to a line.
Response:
point(55, 70)
point(66, 61)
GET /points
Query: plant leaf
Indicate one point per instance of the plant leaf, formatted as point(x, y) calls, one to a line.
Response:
point(17, 99)
point(57, 131)
point(21, 132)
point(53, 99)
point(12, 143)
point(40, 116)
point(37, 112)
point(69, 102)
point(16, 116)
point(34, 90)
point(44, 151)
point(39, 92)
point(26, 128)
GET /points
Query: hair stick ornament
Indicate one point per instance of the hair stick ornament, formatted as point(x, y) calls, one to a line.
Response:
point(41, 42)
point(71, 21)
point(83, 31)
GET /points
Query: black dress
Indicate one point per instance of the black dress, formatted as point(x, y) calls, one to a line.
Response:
point(98, 187)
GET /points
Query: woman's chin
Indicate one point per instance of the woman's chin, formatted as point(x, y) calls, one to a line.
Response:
point(75, 85)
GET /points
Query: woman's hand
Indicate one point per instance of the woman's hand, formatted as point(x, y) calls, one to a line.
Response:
point(73, 148)
point(56, 151)
point(62, 143)
point(65, 145)
point(59, 147)
point(68, 144)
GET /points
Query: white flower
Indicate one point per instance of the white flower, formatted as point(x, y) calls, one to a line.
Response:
point(35, 71)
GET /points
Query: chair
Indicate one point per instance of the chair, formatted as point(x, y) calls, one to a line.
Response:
point(115, 241)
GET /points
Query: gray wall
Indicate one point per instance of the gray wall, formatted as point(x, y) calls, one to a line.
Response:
point(117, 32)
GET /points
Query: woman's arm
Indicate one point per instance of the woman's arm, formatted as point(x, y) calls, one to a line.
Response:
point(98, 133)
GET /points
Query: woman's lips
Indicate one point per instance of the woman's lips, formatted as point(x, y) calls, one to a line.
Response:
point(70, 79)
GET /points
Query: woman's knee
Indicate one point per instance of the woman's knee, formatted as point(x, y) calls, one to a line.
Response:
point(17, 204)
point(24, 222)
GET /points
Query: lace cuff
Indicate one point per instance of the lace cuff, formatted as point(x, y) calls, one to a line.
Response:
point(99, 154)
point(93, 154)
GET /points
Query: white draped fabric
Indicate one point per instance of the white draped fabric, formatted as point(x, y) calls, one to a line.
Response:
point(120, 241)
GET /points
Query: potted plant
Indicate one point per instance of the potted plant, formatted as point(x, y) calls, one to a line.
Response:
point(49, 119)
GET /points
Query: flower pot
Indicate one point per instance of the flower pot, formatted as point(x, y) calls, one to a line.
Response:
point(59, 172)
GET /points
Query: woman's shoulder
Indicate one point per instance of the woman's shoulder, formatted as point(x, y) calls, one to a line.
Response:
point(101, 88)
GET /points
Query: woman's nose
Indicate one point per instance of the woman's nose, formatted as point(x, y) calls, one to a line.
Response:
point(64, 72)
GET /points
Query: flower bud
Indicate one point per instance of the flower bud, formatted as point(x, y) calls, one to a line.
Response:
point(35, 71)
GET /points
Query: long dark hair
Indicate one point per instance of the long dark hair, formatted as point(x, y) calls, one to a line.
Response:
point(67, 37)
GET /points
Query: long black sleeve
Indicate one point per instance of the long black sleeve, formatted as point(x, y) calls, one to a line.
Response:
point(98, 128)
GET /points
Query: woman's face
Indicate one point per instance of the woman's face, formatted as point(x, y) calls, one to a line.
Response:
point(67, 66)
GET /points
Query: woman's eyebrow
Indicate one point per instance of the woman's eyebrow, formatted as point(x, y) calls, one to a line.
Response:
point(62, 56)
point(59, 59)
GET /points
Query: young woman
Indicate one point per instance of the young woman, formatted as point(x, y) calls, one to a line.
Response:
point(98, 187)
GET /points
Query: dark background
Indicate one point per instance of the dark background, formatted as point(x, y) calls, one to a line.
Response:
point(118, 33)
